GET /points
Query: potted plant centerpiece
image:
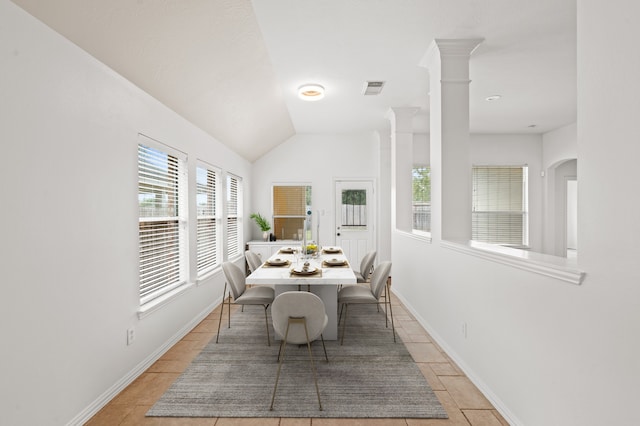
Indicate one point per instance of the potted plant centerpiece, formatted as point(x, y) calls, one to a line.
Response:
point(263, 224)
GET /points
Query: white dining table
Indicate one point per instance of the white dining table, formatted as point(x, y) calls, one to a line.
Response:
point(324, 283)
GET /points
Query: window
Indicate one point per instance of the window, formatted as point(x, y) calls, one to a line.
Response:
point(234, 215)
point(500, 205)
point(421, 201)
point(208, 213)
point(354, 209)
point(162, 220)
point(290, 204)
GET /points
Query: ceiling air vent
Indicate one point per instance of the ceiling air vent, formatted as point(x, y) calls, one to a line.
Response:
point(373, 87)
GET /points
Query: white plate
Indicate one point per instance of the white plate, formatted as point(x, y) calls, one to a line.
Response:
point(300, 271)
point(335, 262)
point(276, 262)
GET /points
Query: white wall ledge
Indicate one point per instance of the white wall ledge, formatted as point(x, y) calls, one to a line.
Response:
point(154, 305)
point(551, 266)
point(416, 235)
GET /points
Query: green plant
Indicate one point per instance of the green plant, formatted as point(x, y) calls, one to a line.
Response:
point(262, 223)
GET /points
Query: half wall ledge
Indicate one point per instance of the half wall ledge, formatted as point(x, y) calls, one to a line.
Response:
point(551, 266)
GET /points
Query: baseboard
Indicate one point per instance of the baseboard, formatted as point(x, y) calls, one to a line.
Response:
point(91, 410)
point(486, 390)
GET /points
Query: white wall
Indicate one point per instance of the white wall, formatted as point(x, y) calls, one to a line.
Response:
point(317, 160)
point(68, 128)
point(421, 149)
point(558, 147)
point(545, 351)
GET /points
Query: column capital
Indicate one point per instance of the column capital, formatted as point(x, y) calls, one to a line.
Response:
point(401, 119)
point(449, 48)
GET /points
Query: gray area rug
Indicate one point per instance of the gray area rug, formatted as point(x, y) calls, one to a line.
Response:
point(370, 376)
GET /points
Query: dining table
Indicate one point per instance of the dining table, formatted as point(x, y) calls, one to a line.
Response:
point(321, 273)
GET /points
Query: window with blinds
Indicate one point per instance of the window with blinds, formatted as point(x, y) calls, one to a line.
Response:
point(162, 220)
point(421, 201)
point(290, 204)
point(208, 216)
point(234, 215)
point(500, 205)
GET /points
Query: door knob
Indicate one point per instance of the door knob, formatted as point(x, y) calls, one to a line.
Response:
point(338, 234)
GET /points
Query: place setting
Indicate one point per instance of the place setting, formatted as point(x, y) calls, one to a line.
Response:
point(287, 250)
point(305, 270)
point(276, 263)
point(335, 263)
point(332, 250)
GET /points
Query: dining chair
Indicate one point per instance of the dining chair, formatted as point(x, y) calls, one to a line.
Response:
point(253, 260)
point(298, 318)
point(366, 264)
point(357, 294)
point(243, 295)
point(366, 268)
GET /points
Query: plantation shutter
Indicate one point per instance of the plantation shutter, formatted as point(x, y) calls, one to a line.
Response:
point(208, 216)
point(233, 216)
point(161, 192)
point(500, 205)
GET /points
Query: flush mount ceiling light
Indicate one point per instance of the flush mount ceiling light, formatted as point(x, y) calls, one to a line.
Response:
point(493, 98)
point(311, 92)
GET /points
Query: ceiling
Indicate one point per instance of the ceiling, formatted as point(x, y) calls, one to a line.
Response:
point(232, 67)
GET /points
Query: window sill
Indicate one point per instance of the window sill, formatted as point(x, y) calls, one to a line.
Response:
point(417, 235)
point(206, 276)
point(152, 306)
point(551, 266)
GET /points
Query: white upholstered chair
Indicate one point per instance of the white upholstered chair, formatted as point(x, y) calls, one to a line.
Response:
point(366, 264)
point(357, 294)
point(253, 260)
point(299, 318)
point(242, 295)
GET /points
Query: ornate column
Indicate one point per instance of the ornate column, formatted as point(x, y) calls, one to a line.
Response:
point(401, 165)
point(448, 63)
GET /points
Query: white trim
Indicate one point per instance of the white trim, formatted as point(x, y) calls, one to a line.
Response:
point(551, 266)
point(484, 389)
point(208, 275)
point(92, 409)
point(416, 235)
point(157, 303)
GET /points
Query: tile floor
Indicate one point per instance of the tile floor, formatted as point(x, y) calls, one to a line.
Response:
point(465, 405)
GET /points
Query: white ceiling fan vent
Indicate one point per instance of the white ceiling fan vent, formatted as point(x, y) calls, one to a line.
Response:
point(372, 87)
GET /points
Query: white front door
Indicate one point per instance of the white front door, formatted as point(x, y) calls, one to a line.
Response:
point(355, 218)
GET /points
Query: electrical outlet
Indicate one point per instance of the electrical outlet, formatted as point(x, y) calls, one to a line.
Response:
point(131, 336)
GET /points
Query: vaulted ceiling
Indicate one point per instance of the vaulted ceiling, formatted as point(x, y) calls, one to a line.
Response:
point(232, 67)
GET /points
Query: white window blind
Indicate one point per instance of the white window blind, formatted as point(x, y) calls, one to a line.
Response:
point(421, 201)
point(500, 205)
point(208, 214)
point(234, 215)
point(162, 223)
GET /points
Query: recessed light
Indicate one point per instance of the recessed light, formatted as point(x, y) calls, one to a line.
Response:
point(311, 92)
point(493, 98)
